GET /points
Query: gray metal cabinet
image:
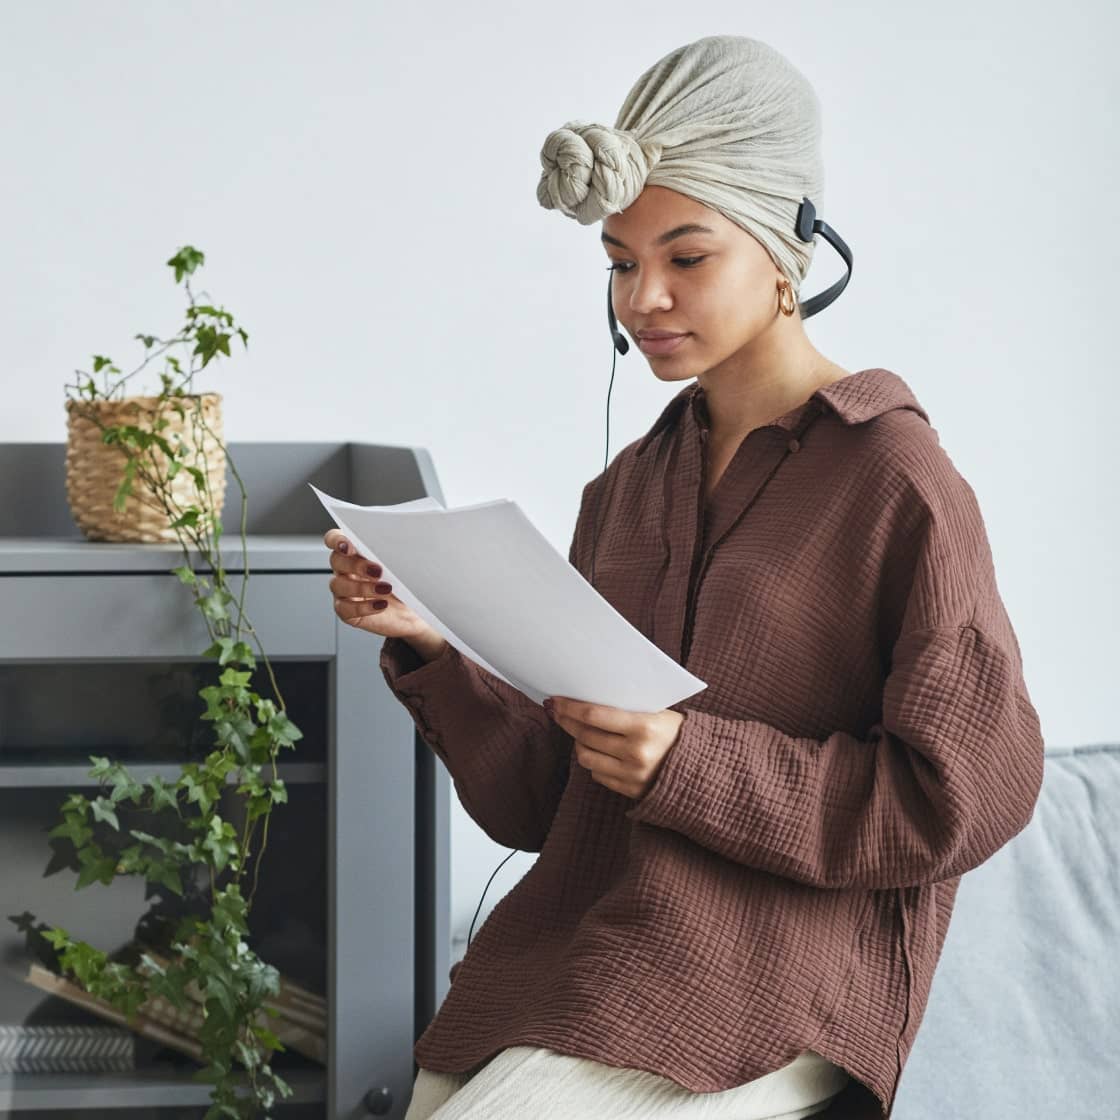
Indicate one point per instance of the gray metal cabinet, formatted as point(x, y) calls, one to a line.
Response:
point(100, 653)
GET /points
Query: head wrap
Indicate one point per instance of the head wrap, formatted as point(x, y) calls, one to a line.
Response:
point(726, 120)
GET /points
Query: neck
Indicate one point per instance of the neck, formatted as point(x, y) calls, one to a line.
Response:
point(763, 381)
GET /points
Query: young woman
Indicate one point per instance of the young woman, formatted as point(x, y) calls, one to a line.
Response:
point(740, 900)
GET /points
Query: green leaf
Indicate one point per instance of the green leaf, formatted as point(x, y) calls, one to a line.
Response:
point(268, 1038)
point(163, 796)
point(57, 936)
point(188, 518)
point(165, 874)
point(234, 679)
point(248, 1057)
point(197, 791)
point(125, 488)
point(101, 766)
point(283, 730)
point(214, 607)
point(160, 842)
point(96, 869)
point(185, 261)
point(124, 786)
point(72, 829)
point(221, 842)
point(230, 910)
point(224, 647)
point(185, 574)
point(130, 860)
point(103, 811)
point(77, 803)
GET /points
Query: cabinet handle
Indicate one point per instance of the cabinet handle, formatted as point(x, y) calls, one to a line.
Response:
point(378, 1101)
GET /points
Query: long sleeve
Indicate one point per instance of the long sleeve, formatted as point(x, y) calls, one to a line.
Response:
point(508, 761)
point(946, 777)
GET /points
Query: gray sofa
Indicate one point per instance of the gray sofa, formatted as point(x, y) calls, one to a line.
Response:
point(1023, 1019)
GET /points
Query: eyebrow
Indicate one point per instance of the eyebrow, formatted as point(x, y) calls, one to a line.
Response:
point(665, 238)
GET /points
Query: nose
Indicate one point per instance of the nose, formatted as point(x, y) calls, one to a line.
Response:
point(650, 292)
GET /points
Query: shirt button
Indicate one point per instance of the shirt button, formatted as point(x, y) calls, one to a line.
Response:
point(794, 444)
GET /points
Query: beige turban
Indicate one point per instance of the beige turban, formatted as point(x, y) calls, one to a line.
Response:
point(726, 120)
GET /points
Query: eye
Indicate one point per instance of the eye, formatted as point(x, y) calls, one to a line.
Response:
point(684, 262)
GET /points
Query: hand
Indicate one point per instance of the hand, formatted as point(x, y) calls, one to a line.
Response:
point(623, 750)
point(358, 602)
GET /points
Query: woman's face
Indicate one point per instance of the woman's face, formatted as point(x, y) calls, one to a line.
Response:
point(719, 288)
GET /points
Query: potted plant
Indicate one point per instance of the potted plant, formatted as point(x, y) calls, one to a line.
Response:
point(168, 484)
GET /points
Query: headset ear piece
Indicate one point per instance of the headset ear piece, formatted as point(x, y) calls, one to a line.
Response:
point(806, 216)
point(807, 225)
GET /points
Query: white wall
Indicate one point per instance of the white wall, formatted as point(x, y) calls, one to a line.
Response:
point(362, 179)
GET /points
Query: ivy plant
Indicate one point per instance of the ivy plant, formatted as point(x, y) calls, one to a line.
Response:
point(186, 838)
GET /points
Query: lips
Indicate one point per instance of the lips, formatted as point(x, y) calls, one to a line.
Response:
point(665, 345)
point(661, 334)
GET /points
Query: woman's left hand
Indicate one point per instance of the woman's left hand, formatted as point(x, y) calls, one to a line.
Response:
point(623, 750)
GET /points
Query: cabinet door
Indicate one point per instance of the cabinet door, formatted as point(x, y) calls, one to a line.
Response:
point(373, 889)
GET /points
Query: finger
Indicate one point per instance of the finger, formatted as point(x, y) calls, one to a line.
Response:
point(594, 738)
point(334, 539)
point(347, 587)
point(352, 611)
point(602, 716)
point(357, 567)
point(604, 765)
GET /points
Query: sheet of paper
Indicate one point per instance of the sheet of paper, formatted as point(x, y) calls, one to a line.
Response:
point(493, 585)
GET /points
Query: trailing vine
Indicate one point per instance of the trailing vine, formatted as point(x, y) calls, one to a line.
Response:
point(188, 838)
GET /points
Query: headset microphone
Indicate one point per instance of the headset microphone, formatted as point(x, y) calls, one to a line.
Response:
point(806, 225)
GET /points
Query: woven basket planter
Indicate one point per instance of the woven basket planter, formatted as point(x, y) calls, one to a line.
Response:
point(94, 469)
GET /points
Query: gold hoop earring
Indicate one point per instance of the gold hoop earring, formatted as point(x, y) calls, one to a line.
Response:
point(784, 289)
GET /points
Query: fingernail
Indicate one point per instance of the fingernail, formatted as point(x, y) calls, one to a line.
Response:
point(548, 704)
point(373, 569)
point(343, 546)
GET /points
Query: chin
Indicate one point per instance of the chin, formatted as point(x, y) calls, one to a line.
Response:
point(667, 371)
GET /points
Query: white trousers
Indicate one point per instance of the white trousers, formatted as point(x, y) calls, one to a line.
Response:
point(535, 1082)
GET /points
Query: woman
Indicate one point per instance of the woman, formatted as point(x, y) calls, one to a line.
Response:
point(739, 900)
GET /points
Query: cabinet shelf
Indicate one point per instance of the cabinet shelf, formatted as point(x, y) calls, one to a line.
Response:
point(76, 776)
point(136, 1089)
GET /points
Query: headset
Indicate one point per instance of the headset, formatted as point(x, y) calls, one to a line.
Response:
point(806, 225)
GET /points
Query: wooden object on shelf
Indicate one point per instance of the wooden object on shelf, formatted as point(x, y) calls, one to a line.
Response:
point(302, 1021)
point(166, 1024)
point(301, 1025)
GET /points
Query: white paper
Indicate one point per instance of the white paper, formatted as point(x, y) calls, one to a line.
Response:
point(493, 585)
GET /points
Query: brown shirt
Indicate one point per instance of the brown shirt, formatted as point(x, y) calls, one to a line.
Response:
point(866, 737)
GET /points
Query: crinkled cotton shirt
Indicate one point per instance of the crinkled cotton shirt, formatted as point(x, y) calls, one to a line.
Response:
point(865, 737)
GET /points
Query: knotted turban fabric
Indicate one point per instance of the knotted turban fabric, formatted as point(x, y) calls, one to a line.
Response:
point(726, 120)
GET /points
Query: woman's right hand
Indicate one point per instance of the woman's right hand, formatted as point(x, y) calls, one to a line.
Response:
point(357, 599)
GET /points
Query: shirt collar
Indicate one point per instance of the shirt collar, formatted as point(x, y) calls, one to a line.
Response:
point(855, 398)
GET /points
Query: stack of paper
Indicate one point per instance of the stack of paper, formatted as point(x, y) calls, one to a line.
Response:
point(490, 582)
